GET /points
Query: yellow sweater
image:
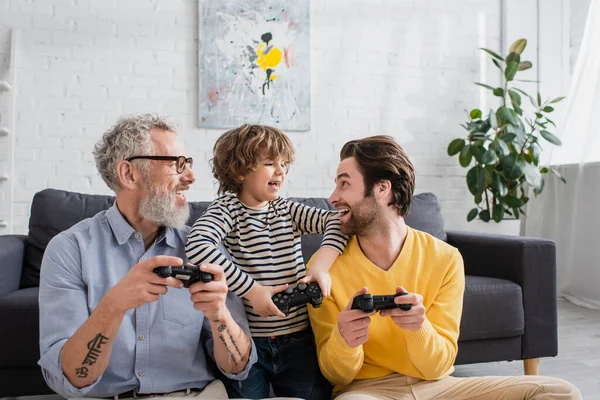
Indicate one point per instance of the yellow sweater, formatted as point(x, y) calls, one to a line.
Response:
point(426, 266)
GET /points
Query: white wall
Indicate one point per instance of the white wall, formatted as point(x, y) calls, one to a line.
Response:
point(579, 11)
point(398, 67)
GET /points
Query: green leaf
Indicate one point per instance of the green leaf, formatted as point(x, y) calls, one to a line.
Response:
point(512, 166)
point(493, 119)
point(515, 98)
point(541, 188)
point(511, 70)
point(472, 214)
point(493, 54)
point(550, 121)
point(539, 99)
point(524, 94)
point(465, 156)
point(513, 57)
point(533, 177)
point(476, 180)
point(497, 64)
point(478, 151)
point(498, 212)
point(551, 138)
point(499, 92)
point(518, 46)
point(475, 113)
point(489, 157)
point(455, 146)
point(525, 65)
point(535, 154)
point(501, 147)
point(499, 185)
point(484, 216)
point(478, 199)
point(548, 109)
point(485, 86)
point(555, 172)
point(556, 100)
point(512, 201)
point(506, 115)
point(507, 137)
point(544, 170)
point(516, 212)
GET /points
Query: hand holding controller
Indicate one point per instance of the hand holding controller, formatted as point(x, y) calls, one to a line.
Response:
point(304, 293)
point(188, 274)
point(369, 303)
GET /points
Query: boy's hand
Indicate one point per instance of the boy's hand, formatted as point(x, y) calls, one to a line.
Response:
point(321, 277)
point(260, 298)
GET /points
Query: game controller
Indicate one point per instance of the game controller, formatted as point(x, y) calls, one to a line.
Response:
point(304, 293)
point(368, 303)
point(188, 274)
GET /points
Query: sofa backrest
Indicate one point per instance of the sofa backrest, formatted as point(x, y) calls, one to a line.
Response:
point(53, 211)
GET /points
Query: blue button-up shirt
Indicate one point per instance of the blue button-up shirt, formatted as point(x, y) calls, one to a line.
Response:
point(158, 347)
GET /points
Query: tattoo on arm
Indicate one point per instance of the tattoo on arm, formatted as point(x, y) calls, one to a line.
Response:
point(228, 344)
point(95, 349)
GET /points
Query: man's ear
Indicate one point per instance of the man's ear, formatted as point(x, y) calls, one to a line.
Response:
point(127, 175)
point(383, 188)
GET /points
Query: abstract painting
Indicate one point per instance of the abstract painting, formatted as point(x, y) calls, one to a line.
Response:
point(254, 63)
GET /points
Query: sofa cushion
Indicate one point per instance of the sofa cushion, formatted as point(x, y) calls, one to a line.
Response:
point(492, 308)
point(53, 211)
point(20, 333)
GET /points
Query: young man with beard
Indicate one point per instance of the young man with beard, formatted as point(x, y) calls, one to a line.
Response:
point(108, 324)
point(398, 354)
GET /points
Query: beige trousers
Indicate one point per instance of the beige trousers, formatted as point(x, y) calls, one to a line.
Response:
point(397, 387)
point(214, 390)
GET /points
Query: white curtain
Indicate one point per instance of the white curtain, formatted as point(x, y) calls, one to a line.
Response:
point(569, 213)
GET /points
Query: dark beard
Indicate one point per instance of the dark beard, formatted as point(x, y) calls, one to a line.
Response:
point(363, 217)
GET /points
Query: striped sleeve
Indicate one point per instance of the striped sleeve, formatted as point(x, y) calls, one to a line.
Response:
point(317, 220)
point(203, 241)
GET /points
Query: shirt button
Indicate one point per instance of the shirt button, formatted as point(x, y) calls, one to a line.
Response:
point(142, 337)
point(137, 236)
point(141, 373)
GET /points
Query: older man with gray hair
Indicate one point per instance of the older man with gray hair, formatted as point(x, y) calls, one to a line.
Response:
point(108, 325)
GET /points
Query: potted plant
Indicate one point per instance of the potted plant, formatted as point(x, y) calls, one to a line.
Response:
point(503, 146)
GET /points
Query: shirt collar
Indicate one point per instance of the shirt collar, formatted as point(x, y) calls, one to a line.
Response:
point(123, 231)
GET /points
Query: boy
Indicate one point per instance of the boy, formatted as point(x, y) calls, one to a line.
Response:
point(262, 232)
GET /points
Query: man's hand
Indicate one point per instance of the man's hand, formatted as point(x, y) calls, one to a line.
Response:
point(321, 277)
point(141, 285)
point(354, 324)
point(260, 298)
point(210, 297)
point(411, 320)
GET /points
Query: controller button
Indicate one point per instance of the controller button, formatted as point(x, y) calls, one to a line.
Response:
point(289, 290)
point(302, 286)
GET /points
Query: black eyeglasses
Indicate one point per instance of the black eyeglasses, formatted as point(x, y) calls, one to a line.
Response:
point(180, 160)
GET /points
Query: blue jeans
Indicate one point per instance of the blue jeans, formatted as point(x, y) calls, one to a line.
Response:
point(289, 364)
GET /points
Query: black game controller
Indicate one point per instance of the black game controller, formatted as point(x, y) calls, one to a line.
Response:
point(304, 293)
point(188, 274)
point(368, 303)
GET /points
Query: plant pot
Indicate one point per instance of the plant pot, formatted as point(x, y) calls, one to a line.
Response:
point(511, 227)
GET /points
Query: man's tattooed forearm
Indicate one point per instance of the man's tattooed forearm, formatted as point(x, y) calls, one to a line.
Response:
point(231, 355)
point(94, 350)
point(235, 346)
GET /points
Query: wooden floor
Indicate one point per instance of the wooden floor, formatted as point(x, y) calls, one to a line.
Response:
point(578, 359)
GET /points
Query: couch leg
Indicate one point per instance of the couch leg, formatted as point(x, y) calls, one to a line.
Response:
point(531, 366)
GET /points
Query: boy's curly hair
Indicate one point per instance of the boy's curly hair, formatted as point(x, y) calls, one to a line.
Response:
point(241, 149)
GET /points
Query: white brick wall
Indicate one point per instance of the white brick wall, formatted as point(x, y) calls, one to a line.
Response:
point(398, 67)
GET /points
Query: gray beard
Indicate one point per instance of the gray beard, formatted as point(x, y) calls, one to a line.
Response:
point(159, 207)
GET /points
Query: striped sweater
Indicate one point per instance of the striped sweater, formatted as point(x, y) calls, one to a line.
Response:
point(264, 244)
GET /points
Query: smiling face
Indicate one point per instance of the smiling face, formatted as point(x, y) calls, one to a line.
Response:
point(164, 201)
point(358, 212)
point(262, 183)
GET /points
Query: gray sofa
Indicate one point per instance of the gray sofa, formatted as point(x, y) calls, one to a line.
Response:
point(509, 306)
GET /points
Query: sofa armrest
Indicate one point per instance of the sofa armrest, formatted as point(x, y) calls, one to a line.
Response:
point(529, 262)
point(12, 251)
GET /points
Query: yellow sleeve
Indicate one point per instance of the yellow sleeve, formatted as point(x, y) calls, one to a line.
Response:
point(433, 348)
point(339, 362)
